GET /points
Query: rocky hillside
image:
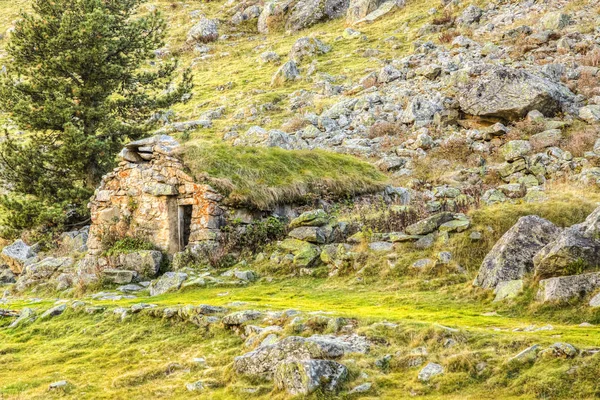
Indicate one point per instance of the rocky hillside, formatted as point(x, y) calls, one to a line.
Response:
point(468, 267)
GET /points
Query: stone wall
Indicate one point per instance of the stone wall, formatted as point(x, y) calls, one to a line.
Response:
point(143, 195)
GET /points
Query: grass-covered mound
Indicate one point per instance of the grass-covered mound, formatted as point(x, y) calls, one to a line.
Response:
point(264, 177)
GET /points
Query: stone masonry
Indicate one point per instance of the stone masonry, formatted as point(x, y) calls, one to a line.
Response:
point(149, 195)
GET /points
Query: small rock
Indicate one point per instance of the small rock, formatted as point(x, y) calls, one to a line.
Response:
point(430, 370)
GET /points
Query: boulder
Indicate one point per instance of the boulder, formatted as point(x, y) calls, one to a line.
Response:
point(306, 13)
point(26, 316)
point(263, 361)
point(146, 263)
point(310, 218)
point(168, 282)
point(555, 20)
point(470, 15)
point(430, 224)
point(590, 114)
point(510, 93)
point(515, 149)
point(595, 301)
point(286, 73)
point(575, 250)
point(257, 136)
point(307, 47)
point(118, 276)
point(564, 288)
point(359, 9)
point(241, 317)
point(17, 255)
point(430, 370)
point(53, 312)
point(512, 256)
point(312, 234)
point(527, 355)
point(205, 31)
point(549, 138)
point(273, 14)
point(569, 254)
point(420, 110)
point(561, 350)
point(385, 8)
point(305, 377)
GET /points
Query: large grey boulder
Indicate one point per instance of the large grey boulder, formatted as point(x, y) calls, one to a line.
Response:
point(429, 224)
point(308, 47)
point(494, 91)
point(316, 217)
point(305, 377)
point(420, 110)
point(312, 234)
point(168, 282)
point(515, 149)
point(286, 73)
point(241, 317)
point(576, 249)
point(145, 262)
point(205, 31)
point(564, 288)
point(382, 10)
point(359, 9)
point(273, 14)
point(555, 20)
point(263, 361)
point(306, 13)
point(17, 255)
point(42, 271)
point(470, 15)
point(570, 253)
point(512, 256)
point(590, 113)
point(54, 311)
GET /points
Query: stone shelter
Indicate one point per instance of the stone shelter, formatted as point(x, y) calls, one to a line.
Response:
point(150, 195)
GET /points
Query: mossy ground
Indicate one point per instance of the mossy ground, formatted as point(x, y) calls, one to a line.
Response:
point(145, 357)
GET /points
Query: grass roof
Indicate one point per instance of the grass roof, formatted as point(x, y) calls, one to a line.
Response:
point(264, 177)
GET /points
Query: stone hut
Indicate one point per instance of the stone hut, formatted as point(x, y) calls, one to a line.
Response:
point(150, 195)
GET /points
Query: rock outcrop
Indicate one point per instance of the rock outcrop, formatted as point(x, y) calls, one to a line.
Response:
point(510, 93)
point(512, 256)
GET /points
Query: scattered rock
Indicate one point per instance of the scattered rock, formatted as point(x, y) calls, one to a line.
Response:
point(430, 370)
point(168, 282)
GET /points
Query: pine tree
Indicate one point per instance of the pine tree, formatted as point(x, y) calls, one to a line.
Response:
point(81, 82)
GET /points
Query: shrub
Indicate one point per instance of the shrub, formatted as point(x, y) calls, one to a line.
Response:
point(447, 36)
point(580, 139)
point(384, 128)
point(294, 124)
point(592, 58)
point(128, 244)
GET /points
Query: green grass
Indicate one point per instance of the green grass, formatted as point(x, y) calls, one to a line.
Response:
point(103, 357)
point(264, 177)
